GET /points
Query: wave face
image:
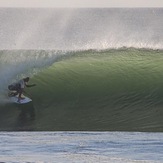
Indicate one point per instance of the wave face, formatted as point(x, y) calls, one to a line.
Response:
point(116, 89)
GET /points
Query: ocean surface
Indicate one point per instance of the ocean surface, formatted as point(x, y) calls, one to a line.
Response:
point(81, 147)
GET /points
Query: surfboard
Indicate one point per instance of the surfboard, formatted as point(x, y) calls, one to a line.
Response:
point(14, 99)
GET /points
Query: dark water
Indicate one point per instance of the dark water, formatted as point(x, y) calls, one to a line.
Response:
point(109, 90)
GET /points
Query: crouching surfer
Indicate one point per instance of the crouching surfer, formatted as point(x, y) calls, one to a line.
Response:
point(18, 88)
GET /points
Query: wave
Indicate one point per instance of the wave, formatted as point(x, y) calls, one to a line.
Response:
point(115, 89)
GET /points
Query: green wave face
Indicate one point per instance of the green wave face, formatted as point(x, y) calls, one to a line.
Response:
point(96, 90)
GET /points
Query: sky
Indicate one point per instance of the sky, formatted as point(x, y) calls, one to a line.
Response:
point(81, 3)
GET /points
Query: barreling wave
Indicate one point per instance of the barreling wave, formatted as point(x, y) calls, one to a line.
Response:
point(114, 89)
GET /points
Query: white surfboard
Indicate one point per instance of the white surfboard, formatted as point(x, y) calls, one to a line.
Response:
point(22, 101)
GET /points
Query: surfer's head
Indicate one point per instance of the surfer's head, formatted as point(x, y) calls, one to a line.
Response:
point(26, 79)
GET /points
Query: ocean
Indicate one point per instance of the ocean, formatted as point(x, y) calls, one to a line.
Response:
point(96, 71)
point(81, 147)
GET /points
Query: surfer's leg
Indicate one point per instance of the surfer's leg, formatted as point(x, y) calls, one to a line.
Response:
point(13, 91)
point(20, 91)
point(10, 94)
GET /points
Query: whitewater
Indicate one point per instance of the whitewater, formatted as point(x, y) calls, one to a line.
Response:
point(99, 85)
point(81, 147)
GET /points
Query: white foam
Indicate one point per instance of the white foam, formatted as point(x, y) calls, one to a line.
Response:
point(103, 147)
point(15, 65)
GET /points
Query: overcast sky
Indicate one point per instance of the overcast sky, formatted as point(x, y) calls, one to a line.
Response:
point(81, 3)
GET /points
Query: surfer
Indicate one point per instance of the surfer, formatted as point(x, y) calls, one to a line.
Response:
point(18, 87)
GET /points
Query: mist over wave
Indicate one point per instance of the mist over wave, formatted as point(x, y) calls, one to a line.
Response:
point(74, 29)
point(16, 64)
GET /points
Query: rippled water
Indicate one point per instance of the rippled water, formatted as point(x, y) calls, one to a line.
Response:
point(81, 147)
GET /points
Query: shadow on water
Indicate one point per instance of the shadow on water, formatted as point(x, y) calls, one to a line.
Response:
point(26, 117)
